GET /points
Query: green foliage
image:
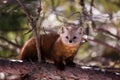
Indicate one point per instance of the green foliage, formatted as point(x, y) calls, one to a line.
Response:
point(11, 18)
point(11, 21)
point(110, 6)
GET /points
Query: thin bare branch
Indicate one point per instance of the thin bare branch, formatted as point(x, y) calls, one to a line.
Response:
point(108, 32)
point(10, 42)
point(33, 25)
point(104, 44)
point(73, 14)
point(53, 5)
point(91, 5)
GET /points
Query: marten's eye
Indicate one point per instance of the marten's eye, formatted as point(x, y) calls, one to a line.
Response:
point(66, 37)
point(74, 37)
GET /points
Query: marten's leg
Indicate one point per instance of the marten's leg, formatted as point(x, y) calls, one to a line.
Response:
point(69, 61)
point(43, 57)
point(58, 61)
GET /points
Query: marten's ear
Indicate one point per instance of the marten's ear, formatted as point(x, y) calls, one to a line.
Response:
point(63, 29)
point(80, 30)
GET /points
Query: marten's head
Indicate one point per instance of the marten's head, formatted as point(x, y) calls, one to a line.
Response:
point(71, 35)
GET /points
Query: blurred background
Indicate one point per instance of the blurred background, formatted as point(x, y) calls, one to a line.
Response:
point(99, 18)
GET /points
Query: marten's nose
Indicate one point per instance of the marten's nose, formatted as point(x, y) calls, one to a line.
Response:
point(70, 41)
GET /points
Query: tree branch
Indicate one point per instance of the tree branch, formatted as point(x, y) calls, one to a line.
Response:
point(9, 42)
point(103, 43)
point(49, 72)
point(108, 32)
point(33, 25)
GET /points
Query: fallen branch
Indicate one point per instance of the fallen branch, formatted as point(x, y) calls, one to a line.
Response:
point(48, 71)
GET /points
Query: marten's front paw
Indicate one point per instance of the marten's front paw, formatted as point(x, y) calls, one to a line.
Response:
point(70, 64)
point(60, 66)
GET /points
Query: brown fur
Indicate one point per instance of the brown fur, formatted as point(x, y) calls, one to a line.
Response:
point(29, 50)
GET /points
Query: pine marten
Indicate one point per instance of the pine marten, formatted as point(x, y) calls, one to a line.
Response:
point(60, 48)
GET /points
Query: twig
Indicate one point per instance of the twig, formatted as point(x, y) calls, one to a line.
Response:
point(84, 10)
point(82, 3)
point(53, 5)
point(103, 43)
point(33, 25)
point(91, 5)
point(91, 14)
point(108, 32)
point(9, 42)
point(73, 14)
point(2, 46)
point(86, 16)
